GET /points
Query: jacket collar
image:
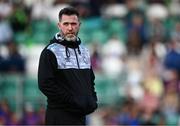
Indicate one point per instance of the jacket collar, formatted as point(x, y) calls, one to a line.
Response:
point(58, 39)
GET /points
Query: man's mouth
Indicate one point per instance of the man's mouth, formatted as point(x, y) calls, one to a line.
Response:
point(70, 35)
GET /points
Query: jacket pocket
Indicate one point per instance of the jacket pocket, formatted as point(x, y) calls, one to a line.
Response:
point(86, 104)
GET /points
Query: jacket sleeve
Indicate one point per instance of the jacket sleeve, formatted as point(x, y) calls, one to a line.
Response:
point(46, 78)
point(93, 84)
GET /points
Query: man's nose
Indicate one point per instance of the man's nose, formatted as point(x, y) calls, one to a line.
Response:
point(69, 27)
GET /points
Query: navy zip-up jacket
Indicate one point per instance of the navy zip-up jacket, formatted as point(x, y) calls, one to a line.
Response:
point(66, 77)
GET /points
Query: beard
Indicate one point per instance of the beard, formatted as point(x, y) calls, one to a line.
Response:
point(70, 37)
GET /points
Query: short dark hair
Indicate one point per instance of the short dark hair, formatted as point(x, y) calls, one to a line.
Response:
point(68, 11)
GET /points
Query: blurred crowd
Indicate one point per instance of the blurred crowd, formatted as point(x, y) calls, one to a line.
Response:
point(144, 47)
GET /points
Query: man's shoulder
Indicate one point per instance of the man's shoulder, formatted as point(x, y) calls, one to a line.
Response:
point(52, 46)
point(83, 47)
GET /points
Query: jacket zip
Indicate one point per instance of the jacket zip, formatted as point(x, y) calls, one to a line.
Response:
point(77, 58)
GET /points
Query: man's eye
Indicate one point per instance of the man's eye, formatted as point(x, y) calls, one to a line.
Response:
point(73, 23)
point(65, 24)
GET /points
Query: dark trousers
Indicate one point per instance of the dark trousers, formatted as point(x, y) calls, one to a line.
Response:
point(60, 117)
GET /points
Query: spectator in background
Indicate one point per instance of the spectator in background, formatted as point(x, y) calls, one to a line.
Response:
point(134, 43)
point(14, 62)
point(20, 17)
point(129, 114)
point(176, 32)
point(153, 55)
point(170, 99)
point(96, 58)
point(133, 10)
point(87, 8)
point(157, 30)
point(136, 33)
point(171, 81)
point(83, 8)
point(172, 58)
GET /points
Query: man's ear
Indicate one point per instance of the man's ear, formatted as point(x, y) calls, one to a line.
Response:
point(59, 25)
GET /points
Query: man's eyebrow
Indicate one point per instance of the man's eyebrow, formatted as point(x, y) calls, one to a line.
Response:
point(66, 22)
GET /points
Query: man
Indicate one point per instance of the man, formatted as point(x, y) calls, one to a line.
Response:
point(65, 75)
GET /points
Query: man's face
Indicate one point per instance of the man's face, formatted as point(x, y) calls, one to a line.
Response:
point(69, 27)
